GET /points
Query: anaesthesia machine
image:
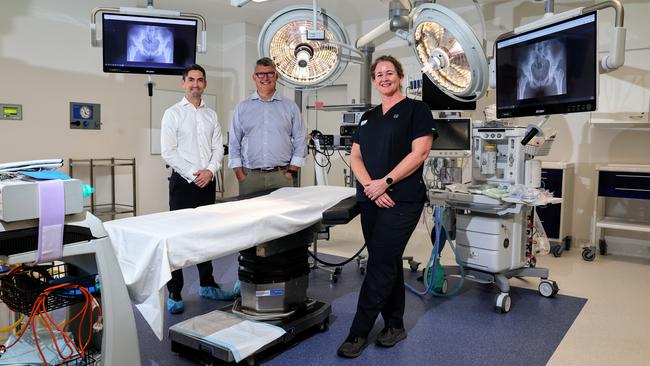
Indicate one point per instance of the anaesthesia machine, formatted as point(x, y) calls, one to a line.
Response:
point(495, 214)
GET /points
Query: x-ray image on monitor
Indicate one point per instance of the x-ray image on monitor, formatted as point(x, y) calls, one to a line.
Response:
point(150, 43)
point(542, 70)
point(548, 70)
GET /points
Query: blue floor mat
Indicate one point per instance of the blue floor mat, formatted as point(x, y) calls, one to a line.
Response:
point(463, 330)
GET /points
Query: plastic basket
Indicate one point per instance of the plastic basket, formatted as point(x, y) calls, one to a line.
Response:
point(541, 150)
point(19, 290)
point(86, 360)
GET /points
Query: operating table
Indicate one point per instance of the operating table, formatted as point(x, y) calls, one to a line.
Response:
point(148, 248)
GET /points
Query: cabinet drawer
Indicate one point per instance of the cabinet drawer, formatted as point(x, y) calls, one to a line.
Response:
point(552, 180)
point(624, 184)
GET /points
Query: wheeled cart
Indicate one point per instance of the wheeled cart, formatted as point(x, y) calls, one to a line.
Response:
point(492, 242)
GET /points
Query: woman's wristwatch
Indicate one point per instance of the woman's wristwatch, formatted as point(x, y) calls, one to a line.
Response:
point(388, 180)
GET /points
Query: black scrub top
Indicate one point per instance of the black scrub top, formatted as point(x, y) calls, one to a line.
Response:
point(386, 139)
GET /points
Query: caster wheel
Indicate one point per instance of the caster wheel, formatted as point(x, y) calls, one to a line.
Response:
point(442, 290)
point(602, 247)
point(362, 270)
point(325, 325)
point(414, 266)
point(338, 270)
point(567, 243)
point(548, 288)
point(334, 278)
point(588, 253)
point(557, 250)
point(503, 303)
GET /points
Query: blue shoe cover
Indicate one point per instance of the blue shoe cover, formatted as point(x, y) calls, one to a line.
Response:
point(215, 293)
point(175, 307)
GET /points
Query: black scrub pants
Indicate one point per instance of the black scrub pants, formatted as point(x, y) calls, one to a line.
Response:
point(188, 195)
point(386, 231)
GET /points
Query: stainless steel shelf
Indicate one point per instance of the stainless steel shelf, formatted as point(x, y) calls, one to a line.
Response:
point(112, 208)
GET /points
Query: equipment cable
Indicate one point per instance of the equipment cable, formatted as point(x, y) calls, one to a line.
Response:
point(337, 264)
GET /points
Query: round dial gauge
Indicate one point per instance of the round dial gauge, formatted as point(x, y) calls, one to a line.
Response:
point(85, 111)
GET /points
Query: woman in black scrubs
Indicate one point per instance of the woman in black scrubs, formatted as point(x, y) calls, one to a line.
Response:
point(388, 150)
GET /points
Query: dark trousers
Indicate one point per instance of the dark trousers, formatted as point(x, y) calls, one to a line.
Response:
point(188, 195)
point(386, 231)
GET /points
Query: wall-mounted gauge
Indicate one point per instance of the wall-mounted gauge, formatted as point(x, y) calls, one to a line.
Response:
point(85, 116)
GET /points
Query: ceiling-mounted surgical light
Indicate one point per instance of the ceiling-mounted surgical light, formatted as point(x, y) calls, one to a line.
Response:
point(449, 52)
point(301, 62)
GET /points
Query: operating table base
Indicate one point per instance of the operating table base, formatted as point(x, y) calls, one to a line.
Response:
point(315, 315)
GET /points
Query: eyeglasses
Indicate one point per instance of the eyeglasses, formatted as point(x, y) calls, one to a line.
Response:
point(268, 74)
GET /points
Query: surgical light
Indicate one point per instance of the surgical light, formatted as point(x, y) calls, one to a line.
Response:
point(301, 62)
point(449, 52)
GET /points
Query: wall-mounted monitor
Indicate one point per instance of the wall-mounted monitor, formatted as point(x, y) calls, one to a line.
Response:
point(437, 100)
point(454, 137)
point(148, 45)
point(549, 70)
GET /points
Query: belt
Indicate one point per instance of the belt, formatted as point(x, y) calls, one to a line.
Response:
point(269, 170)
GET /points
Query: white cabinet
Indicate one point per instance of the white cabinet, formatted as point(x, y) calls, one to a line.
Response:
point(621, 182)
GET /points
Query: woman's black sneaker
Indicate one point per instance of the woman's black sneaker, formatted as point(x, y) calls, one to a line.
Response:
point(390, 336)
point(352, 347)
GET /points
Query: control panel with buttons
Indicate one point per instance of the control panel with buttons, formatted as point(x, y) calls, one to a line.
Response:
point(85, 116)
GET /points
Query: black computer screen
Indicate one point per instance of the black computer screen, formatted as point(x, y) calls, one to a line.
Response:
point(453, 134)
point(548, 70)
point(437, 100)
point(148, 45)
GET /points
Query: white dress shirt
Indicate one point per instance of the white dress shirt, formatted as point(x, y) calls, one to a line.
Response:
point(191, 139)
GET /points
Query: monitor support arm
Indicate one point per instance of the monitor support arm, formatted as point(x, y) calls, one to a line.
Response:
point(616, 56)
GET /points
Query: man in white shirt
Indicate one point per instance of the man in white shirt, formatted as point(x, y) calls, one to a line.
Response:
point(192, 146)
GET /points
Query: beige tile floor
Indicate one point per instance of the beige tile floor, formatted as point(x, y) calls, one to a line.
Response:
point(612, 329)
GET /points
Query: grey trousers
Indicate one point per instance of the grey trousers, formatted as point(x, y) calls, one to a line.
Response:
point(260, 181)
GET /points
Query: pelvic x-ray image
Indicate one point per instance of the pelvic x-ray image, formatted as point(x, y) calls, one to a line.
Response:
point(542, 70)
point(149, 43)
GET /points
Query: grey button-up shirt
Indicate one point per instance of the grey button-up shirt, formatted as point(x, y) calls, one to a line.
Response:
point(266, 133)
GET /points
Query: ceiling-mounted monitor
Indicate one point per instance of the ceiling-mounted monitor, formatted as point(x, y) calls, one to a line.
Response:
point(148, 45)
point(549, 70)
